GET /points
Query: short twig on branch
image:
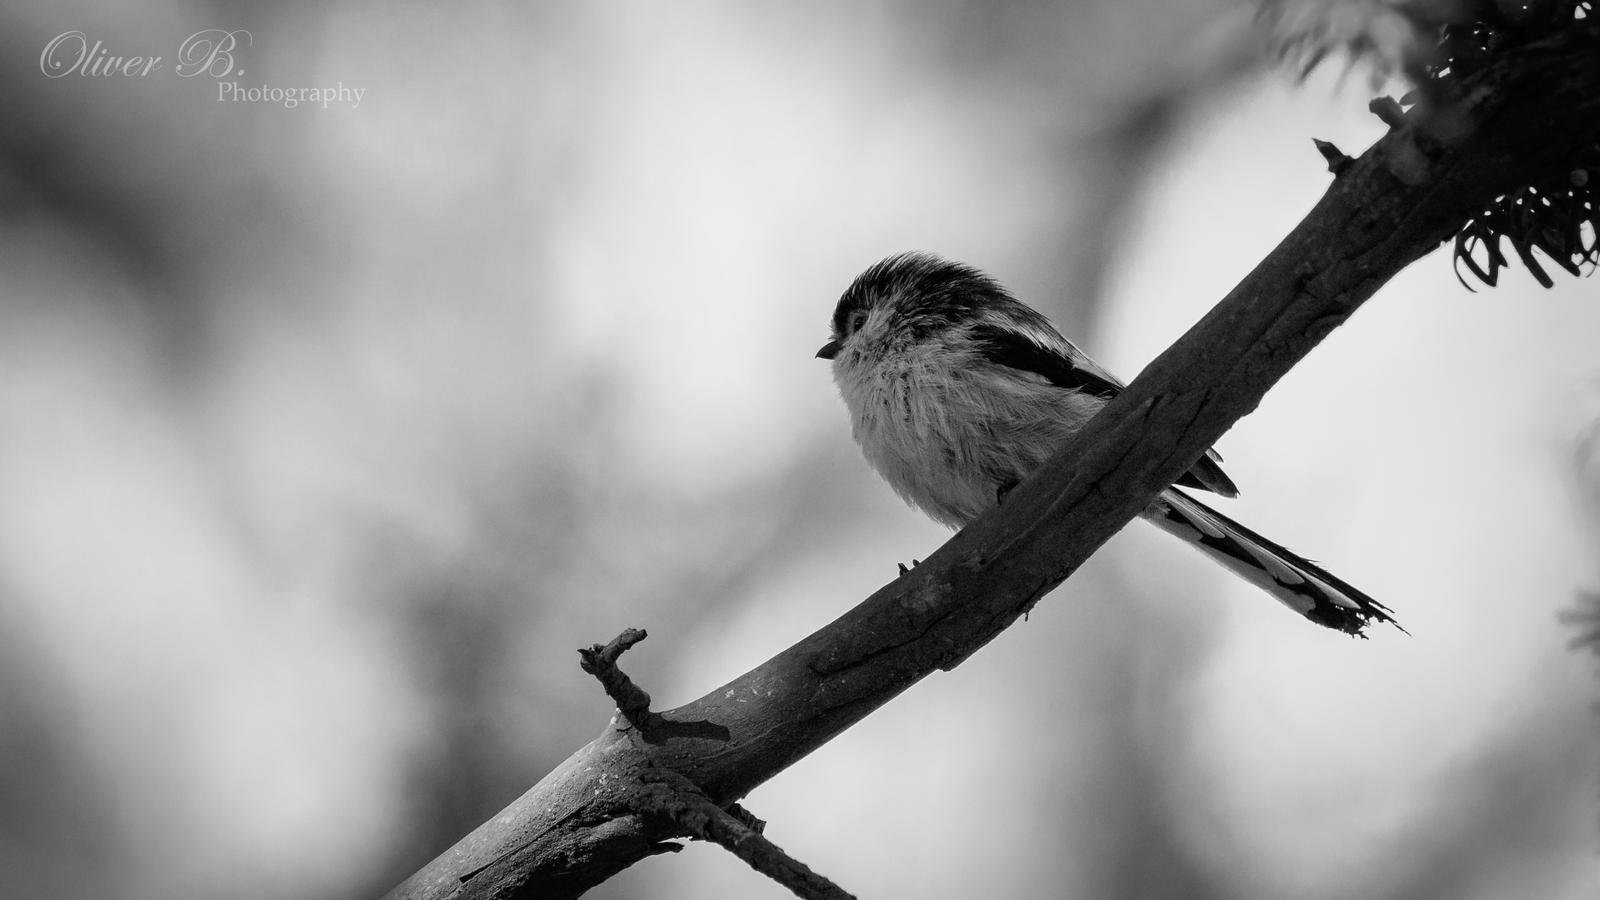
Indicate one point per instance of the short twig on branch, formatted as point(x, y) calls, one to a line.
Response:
point(632, 701)
point(667, 793)
point(1337, 160)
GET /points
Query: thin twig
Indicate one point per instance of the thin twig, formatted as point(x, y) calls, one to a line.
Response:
point(669, 794)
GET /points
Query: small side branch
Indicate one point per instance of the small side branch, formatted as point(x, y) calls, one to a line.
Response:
point(669, 794)
point(1337, 161)
point(632, 701)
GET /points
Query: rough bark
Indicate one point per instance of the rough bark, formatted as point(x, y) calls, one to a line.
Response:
point(1515, 122)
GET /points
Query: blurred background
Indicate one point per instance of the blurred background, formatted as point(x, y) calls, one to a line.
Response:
point(327, 433)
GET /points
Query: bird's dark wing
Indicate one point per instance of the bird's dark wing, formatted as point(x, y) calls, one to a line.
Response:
point(1007, 347)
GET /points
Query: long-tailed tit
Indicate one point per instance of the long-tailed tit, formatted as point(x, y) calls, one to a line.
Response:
point(957, 391)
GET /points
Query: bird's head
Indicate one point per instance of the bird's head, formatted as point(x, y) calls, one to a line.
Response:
point(907, 300)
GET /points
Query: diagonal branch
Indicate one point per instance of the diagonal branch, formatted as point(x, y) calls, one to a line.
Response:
point(1518, 120)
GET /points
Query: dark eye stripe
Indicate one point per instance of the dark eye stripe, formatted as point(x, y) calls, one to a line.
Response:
point(845, 313)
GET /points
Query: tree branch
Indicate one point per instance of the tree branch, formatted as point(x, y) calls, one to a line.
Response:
point(1519, 119)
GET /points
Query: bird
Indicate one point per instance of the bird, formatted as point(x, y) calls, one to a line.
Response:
point(957, 391)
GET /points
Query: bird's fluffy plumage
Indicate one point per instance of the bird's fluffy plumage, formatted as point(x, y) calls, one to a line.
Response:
point(958, 391)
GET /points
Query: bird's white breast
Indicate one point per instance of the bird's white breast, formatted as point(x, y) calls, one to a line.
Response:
point(948, 430)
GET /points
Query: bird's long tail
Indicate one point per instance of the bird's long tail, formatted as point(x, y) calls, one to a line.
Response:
point(1297, 582)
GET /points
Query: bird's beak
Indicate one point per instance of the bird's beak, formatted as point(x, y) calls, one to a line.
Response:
point(829, 350)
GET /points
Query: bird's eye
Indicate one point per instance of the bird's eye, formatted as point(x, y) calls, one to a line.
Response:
point(856, 320)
